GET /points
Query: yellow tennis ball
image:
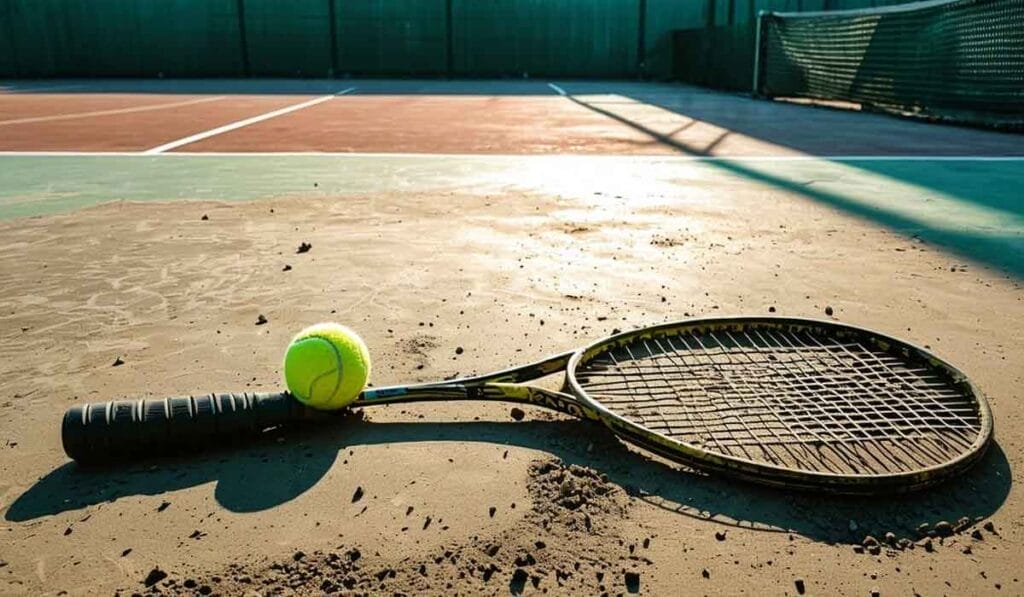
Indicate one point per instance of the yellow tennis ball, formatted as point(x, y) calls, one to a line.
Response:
point(326, 366)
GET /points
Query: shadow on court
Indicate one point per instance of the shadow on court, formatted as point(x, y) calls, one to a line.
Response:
point(989, 186)
point(972, 208)
point(258, 477)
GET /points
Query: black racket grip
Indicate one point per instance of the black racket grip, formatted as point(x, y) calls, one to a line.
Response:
point(124, 429)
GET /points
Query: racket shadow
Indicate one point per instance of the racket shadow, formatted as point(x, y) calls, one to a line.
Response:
point(978, 493)
point(263, 475)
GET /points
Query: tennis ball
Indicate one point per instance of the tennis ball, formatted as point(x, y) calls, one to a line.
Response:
point(326, 366)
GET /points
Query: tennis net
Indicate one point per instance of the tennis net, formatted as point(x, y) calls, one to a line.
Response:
point(955, 60)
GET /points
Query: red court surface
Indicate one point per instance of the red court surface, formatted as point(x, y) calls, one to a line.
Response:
point(84, 122)
point(440, 124)
point(457, 117)
point(50, 105)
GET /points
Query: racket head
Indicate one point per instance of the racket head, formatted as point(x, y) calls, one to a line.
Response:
point(796, 403)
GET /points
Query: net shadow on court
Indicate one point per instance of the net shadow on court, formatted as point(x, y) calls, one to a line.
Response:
point(1002, 250)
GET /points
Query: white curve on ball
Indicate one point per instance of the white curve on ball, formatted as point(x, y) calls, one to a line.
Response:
point(338, 369)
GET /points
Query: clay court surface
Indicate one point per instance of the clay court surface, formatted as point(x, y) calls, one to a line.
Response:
point(487, 117)
point(510, 220)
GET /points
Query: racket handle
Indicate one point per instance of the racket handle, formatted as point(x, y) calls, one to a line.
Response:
point(104, 431)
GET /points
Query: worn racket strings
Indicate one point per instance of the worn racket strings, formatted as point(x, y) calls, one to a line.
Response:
point(794, 399)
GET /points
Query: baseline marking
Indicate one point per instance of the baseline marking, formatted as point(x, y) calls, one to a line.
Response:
point(243, 123)
point(109, 112)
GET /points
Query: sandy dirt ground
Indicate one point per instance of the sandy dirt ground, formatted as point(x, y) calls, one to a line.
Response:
point(460, 498)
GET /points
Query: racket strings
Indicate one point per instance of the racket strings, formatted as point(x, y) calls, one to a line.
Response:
point(882, 424)
point(795, 399)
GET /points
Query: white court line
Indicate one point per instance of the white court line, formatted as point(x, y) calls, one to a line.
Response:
point(243, 123)
point(516, 156)
point(557, 89)
point(109, 112)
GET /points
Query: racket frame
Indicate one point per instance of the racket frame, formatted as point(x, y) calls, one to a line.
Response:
point(231, 413)
point(769, 474)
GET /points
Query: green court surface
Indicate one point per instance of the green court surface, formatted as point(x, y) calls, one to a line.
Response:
point(971, 206)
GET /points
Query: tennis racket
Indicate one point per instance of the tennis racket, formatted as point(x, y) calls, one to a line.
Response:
point(787, 402)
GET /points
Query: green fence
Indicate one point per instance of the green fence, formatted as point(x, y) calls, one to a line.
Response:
point(719, 57)
point(285, 38)
point(121, 38)
point(392, 37)
point(318, 38)
point(583, 38)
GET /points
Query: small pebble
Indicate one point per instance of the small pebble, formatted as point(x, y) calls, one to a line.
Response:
point(799, 586)
point(117, 362)
point(304, 247)
point(286, 268)
point(720, 535)
point(828, 311)
point(517, 413)
point(205, 217)
point(358, 495)
point(155, 575)
point(518, 583)
point(988, 526)
point(262, 319)
point(633, 582)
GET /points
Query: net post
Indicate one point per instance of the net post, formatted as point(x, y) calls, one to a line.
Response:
point(758, 52)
